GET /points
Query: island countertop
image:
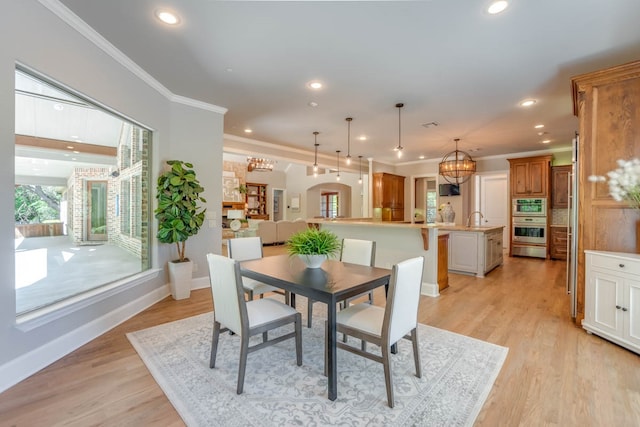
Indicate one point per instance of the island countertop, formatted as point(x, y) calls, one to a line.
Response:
point(370, 222)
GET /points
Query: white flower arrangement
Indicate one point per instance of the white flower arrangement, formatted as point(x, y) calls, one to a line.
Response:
point(624, 182)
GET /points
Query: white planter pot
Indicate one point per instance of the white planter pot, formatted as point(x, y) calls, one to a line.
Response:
point(180, 279)
point(313, 261)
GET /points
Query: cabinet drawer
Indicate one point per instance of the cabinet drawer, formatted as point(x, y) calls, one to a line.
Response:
point(621, 265)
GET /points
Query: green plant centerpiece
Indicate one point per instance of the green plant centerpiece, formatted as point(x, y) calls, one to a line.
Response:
point(179, 213)
point(313, 246)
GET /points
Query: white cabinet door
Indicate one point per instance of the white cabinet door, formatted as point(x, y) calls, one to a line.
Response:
point(632, 304)
point(606, 295)
point(463, 251)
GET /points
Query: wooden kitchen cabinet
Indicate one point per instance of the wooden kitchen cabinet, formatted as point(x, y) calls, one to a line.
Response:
point(530, 176)
point(558, 240)
point(560, 186)
point(607, 103)
point(443, 261)
point(388, 194)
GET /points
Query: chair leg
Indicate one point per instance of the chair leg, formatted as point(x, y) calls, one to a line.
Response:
point(371, 297)
point(416, 352)
point(265, 336)
point(298, 328)
point(250, 295)
point(287, 297)
point(214, 344)
point(386, 361)
point(309, 312)
point(244, 350)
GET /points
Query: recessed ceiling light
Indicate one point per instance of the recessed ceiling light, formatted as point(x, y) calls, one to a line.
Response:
point(70, 147)
point(167, 17)
point(314, 85)
point(75, 136)
point(362, 137)
point(546, 141)
point(76, 152)
point(540, 126)
point(527, 102)
point(497, 7)
point(313, 104)
point(247, 130)
point(421, 157)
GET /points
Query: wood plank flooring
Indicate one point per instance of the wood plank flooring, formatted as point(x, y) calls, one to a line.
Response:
point(555, 373)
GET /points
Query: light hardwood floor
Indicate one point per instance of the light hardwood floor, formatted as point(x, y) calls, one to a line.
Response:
point(555, 373)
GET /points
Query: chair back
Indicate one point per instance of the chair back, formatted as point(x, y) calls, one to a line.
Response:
point(401, 311)
point(228, 294)
point(357, 251)
point(244, 248)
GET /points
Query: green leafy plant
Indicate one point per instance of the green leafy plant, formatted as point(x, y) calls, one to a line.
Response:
point(314, 242)
point(179, 213)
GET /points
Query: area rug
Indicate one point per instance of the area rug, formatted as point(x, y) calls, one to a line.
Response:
point(457, 375)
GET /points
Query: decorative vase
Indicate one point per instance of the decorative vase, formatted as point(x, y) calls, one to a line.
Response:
point(448, 215)
point(313, 261)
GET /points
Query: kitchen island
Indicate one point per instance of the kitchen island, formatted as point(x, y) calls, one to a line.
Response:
point(397, 241)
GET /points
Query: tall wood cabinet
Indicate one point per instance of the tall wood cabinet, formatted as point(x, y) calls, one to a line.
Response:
point(388, 194)
point(607, 103)
point(560, 186)
point(530, 176)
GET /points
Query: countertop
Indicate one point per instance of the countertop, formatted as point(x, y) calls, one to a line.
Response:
point(372, 223)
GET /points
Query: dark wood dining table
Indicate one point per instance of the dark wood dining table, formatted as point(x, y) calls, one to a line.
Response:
point(333, 282)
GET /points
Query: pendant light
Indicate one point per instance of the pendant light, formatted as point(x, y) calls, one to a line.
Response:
point(399, 148)
point(338, 162)
point(360, 160)
point(315, 158)
point(457, 166)
point(349, 119)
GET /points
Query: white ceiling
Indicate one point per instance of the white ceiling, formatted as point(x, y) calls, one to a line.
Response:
point(448, 61)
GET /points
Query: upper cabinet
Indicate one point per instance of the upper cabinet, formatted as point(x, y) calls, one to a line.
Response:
point(560, 186)
point(388, 194)
point(607, 103)
point(530, 176)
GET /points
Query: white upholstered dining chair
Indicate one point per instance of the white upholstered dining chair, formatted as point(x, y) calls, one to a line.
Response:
point(386, 326)
point(245, 249)
point(246, 318)
point(354, 251)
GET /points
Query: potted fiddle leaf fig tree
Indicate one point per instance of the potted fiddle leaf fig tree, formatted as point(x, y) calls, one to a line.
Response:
point(180, 216)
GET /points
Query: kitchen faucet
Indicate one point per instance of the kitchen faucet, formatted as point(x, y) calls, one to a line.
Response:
point(470, 215)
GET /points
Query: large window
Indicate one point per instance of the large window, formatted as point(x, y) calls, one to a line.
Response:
point(81, 198)
point(329, 205)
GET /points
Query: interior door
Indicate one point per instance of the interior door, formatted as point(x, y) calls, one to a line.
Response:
point(96, 219)
point(493, 197)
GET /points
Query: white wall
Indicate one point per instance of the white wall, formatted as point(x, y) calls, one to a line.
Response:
point(41, 40)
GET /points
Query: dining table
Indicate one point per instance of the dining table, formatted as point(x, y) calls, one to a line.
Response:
point(333, 282)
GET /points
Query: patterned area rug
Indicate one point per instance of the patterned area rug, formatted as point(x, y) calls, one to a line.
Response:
point(457, 375)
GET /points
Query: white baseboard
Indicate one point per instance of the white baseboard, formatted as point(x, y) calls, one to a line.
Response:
point(430, 289)
point(28, 364)
point(200, 283)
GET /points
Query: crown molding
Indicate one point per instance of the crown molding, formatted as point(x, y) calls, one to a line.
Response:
point(74, 21)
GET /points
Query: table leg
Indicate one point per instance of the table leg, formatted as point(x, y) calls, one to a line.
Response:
point(292, 299)
point(332, 352)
